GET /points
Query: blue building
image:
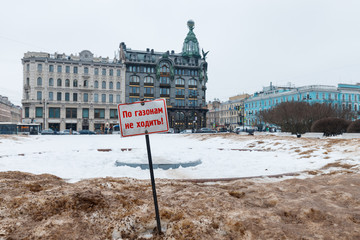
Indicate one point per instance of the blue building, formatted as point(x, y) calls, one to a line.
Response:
point(343, 96)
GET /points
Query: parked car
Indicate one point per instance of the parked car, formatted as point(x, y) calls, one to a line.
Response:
point(238, 130)
point(67, 132)
point(186, 131)
point(116, 129)
point(206, 130)
point(86, 132)
point(48, 132)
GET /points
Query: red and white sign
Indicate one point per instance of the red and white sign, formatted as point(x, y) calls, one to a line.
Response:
point(140, 118)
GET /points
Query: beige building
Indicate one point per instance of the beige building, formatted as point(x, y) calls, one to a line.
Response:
point(72, 91)
point(8, 111)
point(229, 114)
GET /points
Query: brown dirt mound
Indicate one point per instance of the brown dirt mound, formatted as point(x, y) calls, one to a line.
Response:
point(46, 207)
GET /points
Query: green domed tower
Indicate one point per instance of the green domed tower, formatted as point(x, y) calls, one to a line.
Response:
point(191, 44)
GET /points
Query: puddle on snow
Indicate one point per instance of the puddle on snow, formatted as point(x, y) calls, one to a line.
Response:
point(164, 166)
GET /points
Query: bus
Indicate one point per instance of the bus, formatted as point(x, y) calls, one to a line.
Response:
point(19, 128)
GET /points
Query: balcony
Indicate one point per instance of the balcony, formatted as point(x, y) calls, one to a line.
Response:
point(167, 85)
point(134, 83)
point(148, 95)
point(134, 94)
point(148, 84)
point(164, 95)
point(180, 96)
point(26, 86)
point(192, 86)
point(180, 85)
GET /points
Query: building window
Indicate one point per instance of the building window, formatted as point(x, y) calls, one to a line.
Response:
point(103, 98)
point(149, 90)
point(59, 68)
point(27, 67)
point(27, 112)
point(96, 84)
point(28, 81)
point(67, 69)
point(75, 97)
point(59, 82)
point(51, 82)
point(111, 72)
point(99, 113)
point(193, 93)
point(118, 72)
point(192, 82)
point(164, 80)
point(39, 95)
point(180, 102)
point(51, 68)
point(71, 113)
point(51, 96)
point(118, 98)
point(111, 98)
point(75, 83)
point(58, 96)
point(75, 70)
point(134, 80)
point(39, 67)
point(103, 72)
point(164, 91)
point(85, 97)
point(85, 113)
point(180, 92)
point(117, 85)
point(39, 81)
point(148, 81)
point(103, 85)
point(111, 85)
point(67, 83)
point(86, 70)
point(67, 96)
point(135, 90)
point(96, 97)
point(96, 71)
point(180, 82)
point(85, 83)
point(54, 112)
point(113, 113)
point(39, 112)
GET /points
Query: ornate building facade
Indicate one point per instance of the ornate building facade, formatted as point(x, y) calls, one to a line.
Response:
point(8, 111)
point(82, 91)
point(180, 78)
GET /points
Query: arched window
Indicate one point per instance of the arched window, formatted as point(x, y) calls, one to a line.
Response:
point(117, 85)
point(111, 85)
point(192, 82)
point(51, 82)
point(67, 83)
point(86, 70)
point(164, 68)
point(103, 85)
point(75, 83)
point(134, 79)
point(180, 81)
point(39, 81)
point(96, 84)
point(59, 82)
point(148, 80)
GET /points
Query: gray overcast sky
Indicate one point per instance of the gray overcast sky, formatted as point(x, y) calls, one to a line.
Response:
point(251, 42)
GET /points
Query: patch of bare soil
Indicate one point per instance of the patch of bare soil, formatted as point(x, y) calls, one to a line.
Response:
point(47, 207)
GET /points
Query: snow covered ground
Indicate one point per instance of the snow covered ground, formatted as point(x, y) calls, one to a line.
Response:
point(221, 155)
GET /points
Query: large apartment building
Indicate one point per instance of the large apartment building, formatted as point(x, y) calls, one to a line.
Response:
point(8, 111)
point(72, 91)
point(82, 91)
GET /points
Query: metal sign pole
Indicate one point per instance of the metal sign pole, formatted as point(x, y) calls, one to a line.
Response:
point(153, 183)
